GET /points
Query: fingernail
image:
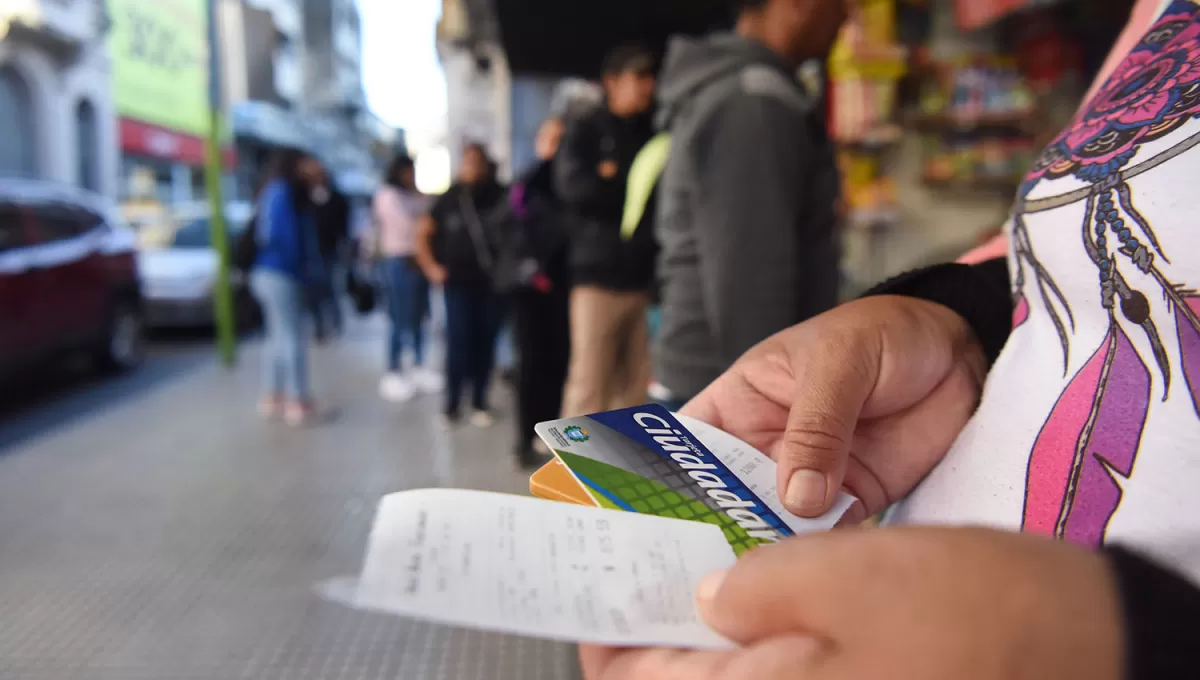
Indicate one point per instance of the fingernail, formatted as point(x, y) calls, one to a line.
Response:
point(806, 492)
point(708, 586)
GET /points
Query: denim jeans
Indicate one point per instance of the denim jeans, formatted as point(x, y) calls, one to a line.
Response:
point(473, 315)
point(407, 304)
point(285, 351)
point(325, 302)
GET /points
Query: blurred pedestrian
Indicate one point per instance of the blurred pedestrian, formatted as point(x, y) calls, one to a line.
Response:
point(611, 279)
point(457, 248)
point(534, 274)
point(287, 263)
point(332, 211)
point(397, 209)
point(746, 213)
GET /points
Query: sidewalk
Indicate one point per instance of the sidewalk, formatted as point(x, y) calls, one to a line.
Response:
point(175, 535)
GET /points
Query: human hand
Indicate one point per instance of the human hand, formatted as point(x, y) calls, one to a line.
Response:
point(608, 169)
point(436, 274)
point(869, 396)
point(904, 604)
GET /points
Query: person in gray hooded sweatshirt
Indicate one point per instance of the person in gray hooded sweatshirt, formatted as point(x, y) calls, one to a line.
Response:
point(746, 202)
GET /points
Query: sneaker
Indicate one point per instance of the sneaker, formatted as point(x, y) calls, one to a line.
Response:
point(482, 419)
point(427, 380)
point(394, 388)
point(540, 448)
point(447, 421)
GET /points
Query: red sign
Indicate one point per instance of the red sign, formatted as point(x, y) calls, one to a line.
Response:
point(144, 139)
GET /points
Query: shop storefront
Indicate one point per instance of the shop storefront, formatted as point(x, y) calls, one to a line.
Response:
point(160, 83)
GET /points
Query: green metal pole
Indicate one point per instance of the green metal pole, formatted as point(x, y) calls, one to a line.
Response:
point(223, 293)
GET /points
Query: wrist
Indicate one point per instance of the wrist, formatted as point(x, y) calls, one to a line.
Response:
point(975, 294)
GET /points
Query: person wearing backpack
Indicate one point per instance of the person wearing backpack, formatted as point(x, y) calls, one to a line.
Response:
point(745, 216)
point(456, 247)
point(286, 264)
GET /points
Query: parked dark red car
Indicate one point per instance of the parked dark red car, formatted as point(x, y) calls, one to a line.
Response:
point(68, 278)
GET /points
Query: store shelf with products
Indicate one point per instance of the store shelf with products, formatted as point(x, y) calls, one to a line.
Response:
point(977, 117)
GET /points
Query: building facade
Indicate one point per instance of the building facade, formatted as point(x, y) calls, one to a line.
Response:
point(478, 83)
point(55, 96)
point(486, 102)
point(294, 79)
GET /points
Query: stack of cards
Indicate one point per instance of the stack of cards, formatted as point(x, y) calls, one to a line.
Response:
point(650, 503)
point(651, 461)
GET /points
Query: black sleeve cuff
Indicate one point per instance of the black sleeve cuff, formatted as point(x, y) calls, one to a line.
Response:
point(978, 293)
point(1160, 610)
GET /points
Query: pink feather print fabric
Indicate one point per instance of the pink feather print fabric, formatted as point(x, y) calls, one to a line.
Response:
point(1088, 444)
point(1187, 323)
point(1020, 311)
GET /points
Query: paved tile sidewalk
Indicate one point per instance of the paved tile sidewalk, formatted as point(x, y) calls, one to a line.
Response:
point(175, 536)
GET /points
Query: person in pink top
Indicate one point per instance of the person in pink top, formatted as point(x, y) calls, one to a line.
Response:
point(397, 207)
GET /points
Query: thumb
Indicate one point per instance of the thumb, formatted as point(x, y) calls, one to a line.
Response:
point(815, 447)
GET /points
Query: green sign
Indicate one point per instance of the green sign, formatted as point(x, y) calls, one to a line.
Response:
point(160, 62)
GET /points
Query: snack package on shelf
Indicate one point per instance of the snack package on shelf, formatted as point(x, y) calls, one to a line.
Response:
point(864, 68)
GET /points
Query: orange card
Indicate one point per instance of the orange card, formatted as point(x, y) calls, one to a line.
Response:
point(553, 481)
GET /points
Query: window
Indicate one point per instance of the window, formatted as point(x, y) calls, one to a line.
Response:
point(198, 234)
point(59, 222)
point(89, 146)
point(11, 229)
point(18, 153)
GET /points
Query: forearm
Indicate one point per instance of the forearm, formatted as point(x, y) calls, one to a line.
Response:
point(423, 247)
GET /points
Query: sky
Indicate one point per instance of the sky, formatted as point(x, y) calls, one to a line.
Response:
point(401, 74)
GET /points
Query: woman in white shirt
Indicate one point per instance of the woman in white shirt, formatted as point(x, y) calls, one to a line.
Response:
point(396, 208)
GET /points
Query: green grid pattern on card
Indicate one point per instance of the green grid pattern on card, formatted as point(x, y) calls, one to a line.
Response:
point(651, 498)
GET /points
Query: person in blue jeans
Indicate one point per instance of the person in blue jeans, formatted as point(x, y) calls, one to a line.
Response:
point(457, 248)
point(287, 264)
point(396, 210)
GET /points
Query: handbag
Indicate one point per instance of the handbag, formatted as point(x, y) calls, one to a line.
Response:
point(362, 293)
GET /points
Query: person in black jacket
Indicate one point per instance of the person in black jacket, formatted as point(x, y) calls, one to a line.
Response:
point(332, 211)
point(456, 247)
point(534, 249)
point(611, 279)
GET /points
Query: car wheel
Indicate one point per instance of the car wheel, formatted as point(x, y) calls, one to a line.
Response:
point(123, 346)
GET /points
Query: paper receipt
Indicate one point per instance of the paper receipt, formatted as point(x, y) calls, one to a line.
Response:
point(533, 567)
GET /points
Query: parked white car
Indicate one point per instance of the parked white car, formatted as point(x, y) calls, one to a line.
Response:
point(179, 274)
